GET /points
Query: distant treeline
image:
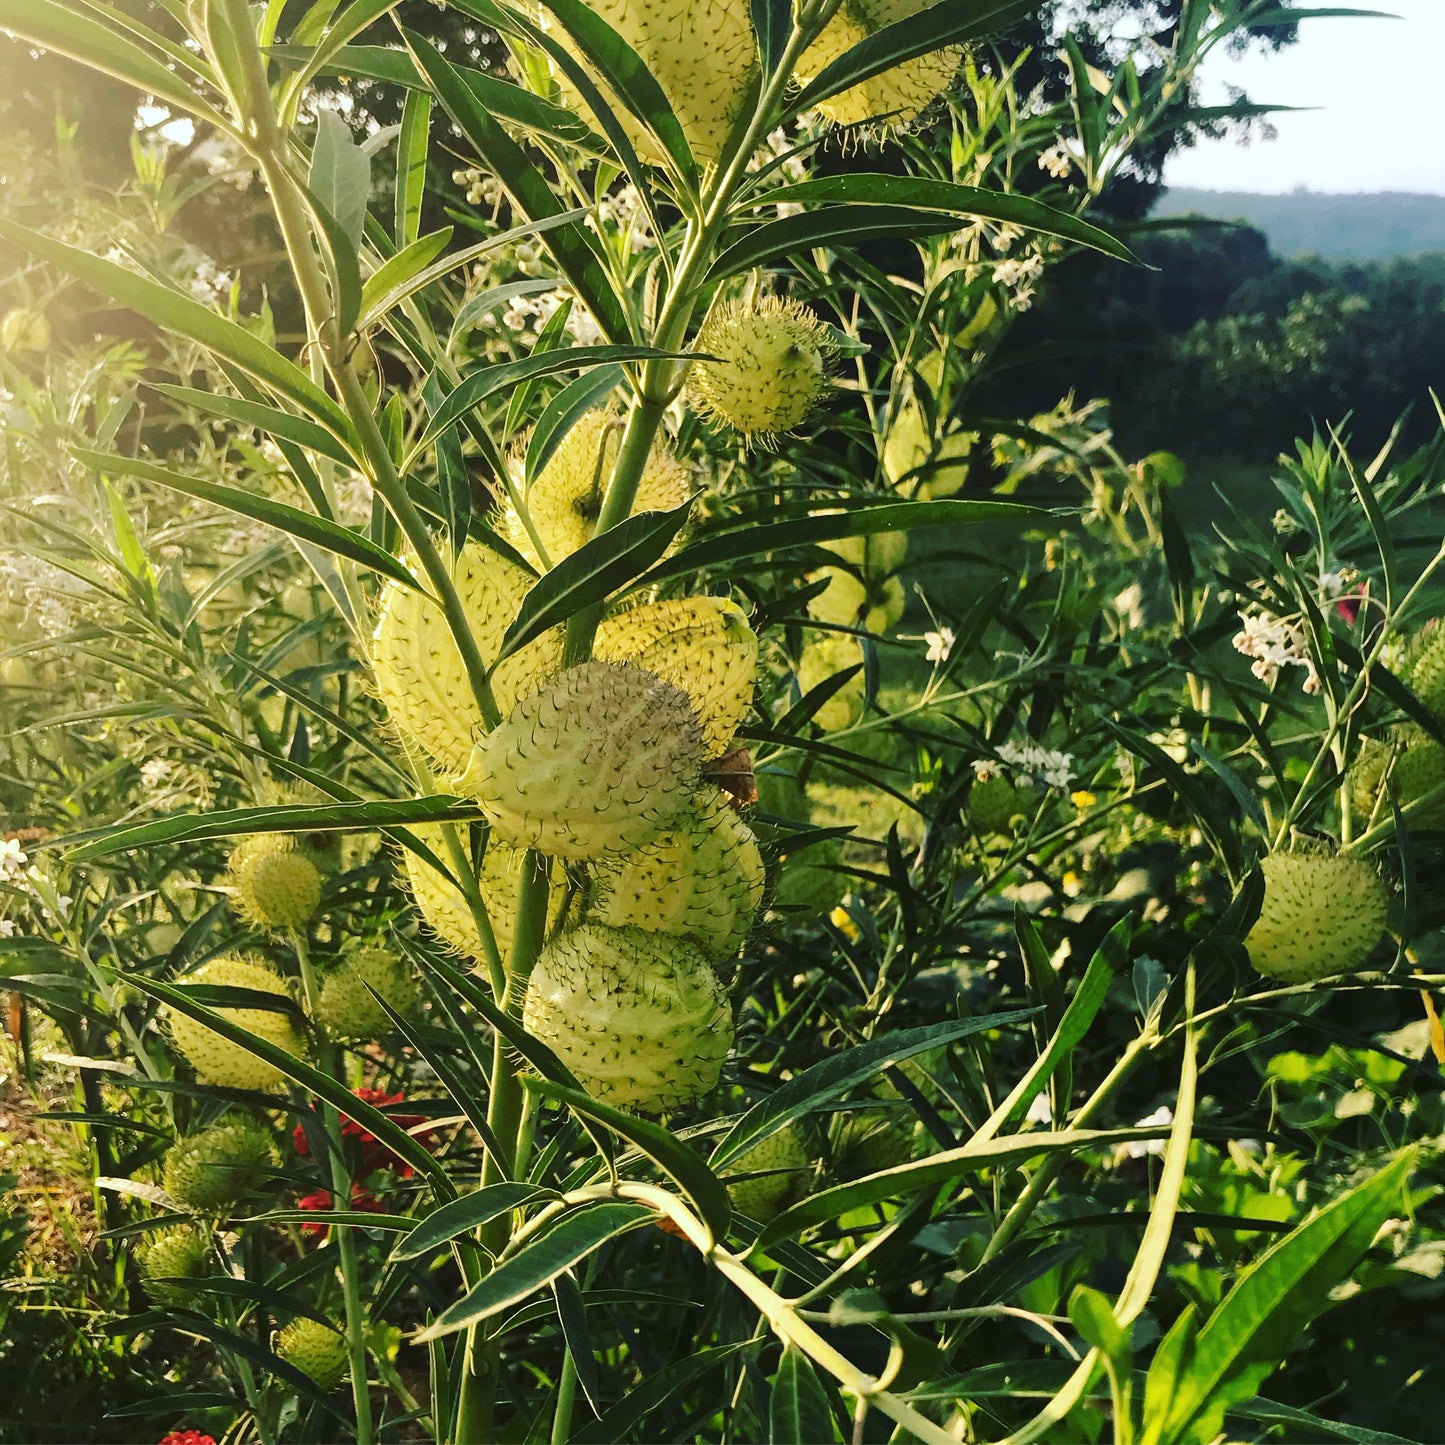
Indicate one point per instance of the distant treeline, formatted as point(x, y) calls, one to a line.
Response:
point(1333, 227)
point(1223, 349)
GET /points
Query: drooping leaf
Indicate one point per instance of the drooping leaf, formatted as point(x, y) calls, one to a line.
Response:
point(461, 1216)
point(798, 1407)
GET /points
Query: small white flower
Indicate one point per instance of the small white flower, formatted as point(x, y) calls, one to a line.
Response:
point(1040, 1111)
point(1129, 604)
point(1020, 271)
point(7, 928)
point(1332, 585)
point(155, 772)
point(939, 644)
point(1036, 764)
point(1057, 161)
point(12, 858)
point(1138, 1148)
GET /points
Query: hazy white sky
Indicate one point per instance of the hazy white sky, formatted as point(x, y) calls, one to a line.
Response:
point(1379, 87)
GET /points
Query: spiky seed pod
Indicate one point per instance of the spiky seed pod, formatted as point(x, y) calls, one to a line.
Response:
point(181, 1252)
point(347, 1009)
point(823, 658)
point(275, 883)
point(877, 555)
point(770, 367)
point(443, 906)
point(702, 879)
point(1322, 914)
point(599, 761)
point(316, 1350)
point(419, 671)
point(217, 1060)
point(208, 1172)
point(994, 801)
point(1427, 678)
point(640, 1018)
point(867, 1144)
point(769, 1194)
point(565, 499)
point(704, 57)
point(886, 606)
point(1418, 769)
point(896, 96)
point(24, 330)
point(702, 645)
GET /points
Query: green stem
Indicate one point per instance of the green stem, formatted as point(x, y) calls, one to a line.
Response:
point(566, 1395)
point(329, 1057)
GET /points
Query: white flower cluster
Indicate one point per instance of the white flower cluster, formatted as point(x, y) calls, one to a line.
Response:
point(155, 772)
point(1058, 161)
point(1274, 643)
point(481, 189)
point(13, 859)
point(208, 284)
point(45, 592)
point(1030, 763)
point(626, 213)
point(524, 313)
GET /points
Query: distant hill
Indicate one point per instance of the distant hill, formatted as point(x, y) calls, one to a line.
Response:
point(1378, 227)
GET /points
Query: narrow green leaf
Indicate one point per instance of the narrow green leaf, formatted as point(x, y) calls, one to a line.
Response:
point(411, 154)
point(386, 1129)
point(563, 410)
point(1304, 1426)
point(269, 419)
point(925, 194)
point(574, 1235)
point(845, 225)
point(798, 1409)
point(733, 545)
point(376, 813)
point(592, 573)
point(503, 375)
point(174, 312)
point(568, 245)
point(675, 1157)
point(953, 22)
point(461, 1216)
point(834, 1076)
point(1269, 1307)
point(330, 536)
point(940, 1169)
point(69, 32)
point(628, 78)
point(395, 272)
point(341, 257)
point(772, 21)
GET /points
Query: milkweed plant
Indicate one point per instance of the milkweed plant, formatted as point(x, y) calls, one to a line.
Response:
point(593, 850)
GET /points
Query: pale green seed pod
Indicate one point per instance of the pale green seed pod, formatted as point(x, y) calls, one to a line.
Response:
point(217, 1060)
point(823, 658)
point(275, 883)
point(24, 330)
point(418, 668)
point(316, 1350)
point(703, 55)
point(347, 1009)
point(599, 761)
point(894, 97)
point(1427, 678)
point(1418, 768)
point(702, 645)
point(769, 1194)
point(640, 1018)
point(169, 1256)
point(565, 499)
point(701, 879)
point(443, 906)
point(208, 1172)
point(1322, 915)
point(769, 368)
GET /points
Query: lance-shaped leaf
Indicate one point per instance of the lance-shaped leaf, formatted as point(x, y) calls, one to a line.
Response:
point(552, 1250)
point(330, 536)
point(926, 194)
point(593, 573)
point(461, 1216)
point(174, 312)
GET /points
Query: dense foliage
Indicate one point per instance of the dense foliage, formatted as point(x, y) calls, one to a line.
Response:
point(598, 846)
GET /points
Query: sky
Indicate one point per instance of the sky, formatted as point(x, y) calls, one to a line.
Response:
point(1377, 85)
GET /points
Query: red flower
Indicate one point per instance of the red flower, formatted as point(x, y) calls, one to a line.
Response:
point(1349, 605)
point(320, 1202)
point(374, 1154)
point(186, 1437)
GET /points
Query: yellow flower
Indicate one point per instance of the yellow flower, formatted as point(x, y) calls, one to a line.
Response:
point(1083, 798)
